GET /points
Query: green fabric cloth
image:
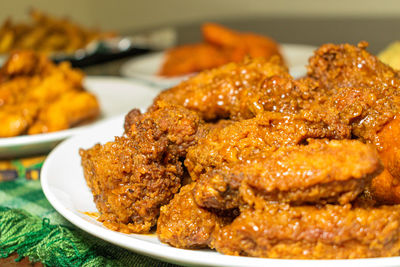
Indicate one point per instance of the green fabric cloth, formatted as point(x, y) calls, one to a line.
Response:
point(30, 226)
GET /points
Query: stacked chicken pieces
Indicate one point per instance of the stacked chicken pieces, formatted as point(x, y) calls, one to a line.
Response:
point(249, 161)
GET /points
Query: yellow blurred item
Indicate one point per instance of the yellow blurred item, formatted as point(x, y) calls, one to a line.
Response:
point(391, 55)
point(47, 34)
point(38, 96)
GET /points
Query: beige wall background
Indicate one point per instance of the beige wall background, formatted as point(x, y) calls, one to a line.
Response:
point(125, 15)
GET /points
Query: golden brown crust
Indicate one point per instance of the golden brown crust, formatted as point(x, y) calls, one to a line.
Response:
point(320, 172)
point(243, 139)
point(132, 177)
point(309, 232)
point(367, 91)
point(183, 224)
point(219, 93)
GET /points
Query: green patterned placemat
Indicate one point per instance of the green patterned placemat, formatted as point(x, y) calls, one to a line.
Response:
point(30, 226)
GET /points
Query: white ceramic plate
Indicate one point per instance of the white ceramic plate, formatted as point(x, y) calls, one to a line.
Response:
point(147, 66)
point(65, 188)
point(116, 96)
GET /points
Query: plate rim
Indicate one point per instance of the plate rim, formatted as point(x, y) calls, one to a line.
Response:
point(164, 252)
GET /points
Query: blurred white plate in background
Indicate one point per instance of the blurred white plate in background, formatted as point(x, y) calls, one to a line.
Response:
point(146, 67)
point(116, 96)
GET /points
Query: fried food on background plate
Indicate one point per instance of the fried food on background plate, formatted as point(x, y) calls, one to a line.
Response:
point(192, 58)
point(38, 96)
point(221, 46)
point(239, 44)
point(47, 34)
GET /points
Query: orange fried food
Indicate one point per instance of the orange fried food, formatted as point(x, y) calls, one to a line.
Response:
point(310, 232)
point(37, 96)
point(220, 93)
point(183, 224)
point(237, 44)
point(369, 102)
point(221, 45)
point(69, 109)
point(219, 35)
point(387, 141)
point(192, 58)
point(320, 172)
point(345, 65)
point(385, 188)
point(132, 177)
point(241, 140)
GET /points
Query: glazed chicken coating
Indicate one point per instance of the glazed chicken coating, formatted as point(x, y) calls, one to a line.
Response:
point(345, 65)
point(219, 93)
point(133, 176)
point(366, 90)
point(312, 232)
point(386, 187)
point(183, 224)
point(370, 103)
point(320, 172)
point(243, 139)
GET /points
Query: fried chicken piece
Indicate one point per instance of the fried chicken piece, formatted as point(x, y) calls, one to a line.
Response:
point(320, 172)
point(284, 94)
point(67, 111)
point(237, 45)
point(371, 101)
point(130, 180)
point(385, 189)
point(219, 93)
point(179, 124)
point(387, 142)
point(367, 91)
point(193, 58)
point(37, 96)
point(133, 176)
point(345, 65)
point(221, 46)
point(183, 224)
point(260, 46)
point(312, 232)
point(221, 36)
point(243, 139)
point(17, 119)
